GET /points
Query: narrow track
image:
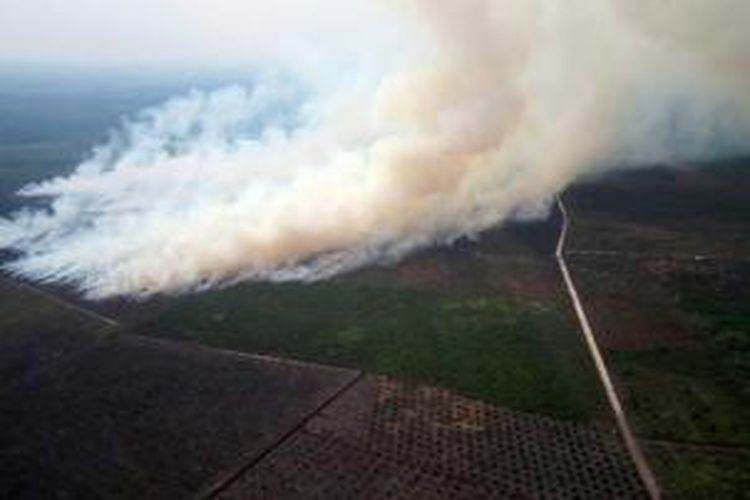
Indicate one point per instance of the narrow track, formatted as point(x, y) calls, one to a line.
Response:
point(631, 443)
point(214, 490)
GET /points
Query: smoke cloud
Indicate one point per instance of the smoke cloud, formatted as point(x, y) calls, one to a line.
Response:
point(494, 108)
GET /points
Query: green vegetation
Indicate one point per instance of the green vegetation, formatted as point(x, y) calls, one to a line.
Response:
point(679, 395)
point(721, 312)
point(526, 355)
point(699, 392)
point(676, 303)
point(691, 475)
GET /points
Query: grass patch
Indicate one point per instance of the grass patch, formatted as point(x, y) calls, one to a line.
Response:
point(719, 307)
point(689, 475)
point(699, 392)
point(525, 355)
point(679, 395)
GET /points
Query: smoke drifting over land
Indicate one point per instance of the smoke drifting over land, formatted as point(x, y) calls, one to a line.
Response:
point(497, 106)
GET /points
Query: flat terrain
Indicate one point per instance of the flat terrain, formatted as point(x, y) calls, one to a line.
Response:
point(478, 382)
point(87, 411)
point(486, 319)
point(392, 440)
point(460, 344)
point(666, 281)
point(50, 119)
point(689, 211)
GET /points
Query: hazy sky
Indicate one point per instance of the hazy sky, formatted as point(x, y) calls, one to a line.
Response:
point(188, 32)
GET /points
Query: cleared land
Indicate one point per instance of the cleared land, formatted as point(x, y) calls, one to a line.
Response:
point(92, 413)
point(86, 412)
point(391, 440)
point(667, 287)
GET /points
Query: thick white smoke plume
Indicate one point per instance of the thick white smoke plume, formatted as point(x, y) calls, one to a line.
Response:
point(499, 105)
